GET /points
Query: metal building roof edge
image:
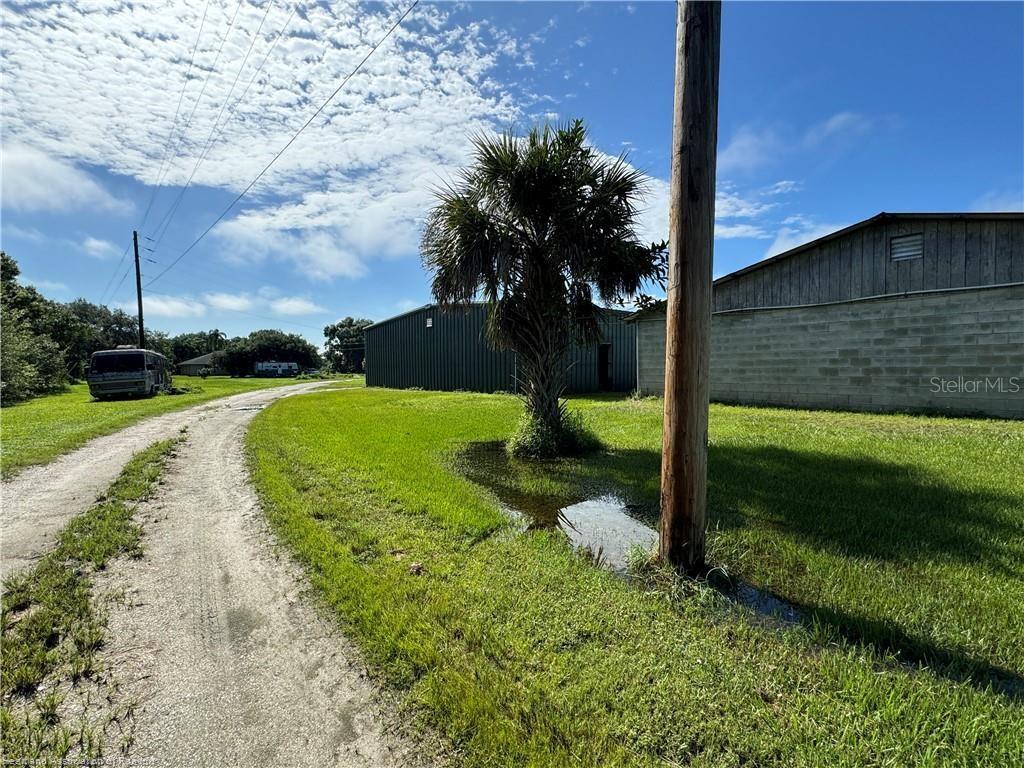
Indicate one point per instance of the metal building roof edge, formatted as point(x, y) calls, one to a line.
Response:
point(625, 313)
point(201, 359)
point(876, 219)
point(399, 316)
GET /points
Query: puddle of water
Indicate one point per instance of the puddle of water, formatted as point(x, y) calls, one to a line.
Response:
point(597, 516)
point(765, 603)
point(594, 516)
point(605, 527)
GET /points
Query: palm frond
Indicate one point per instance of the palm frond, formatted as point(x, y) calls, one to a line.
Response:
point(538, 226)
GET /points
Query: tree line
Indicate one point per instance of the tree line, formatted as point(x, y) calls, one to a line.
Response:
point(47, 344)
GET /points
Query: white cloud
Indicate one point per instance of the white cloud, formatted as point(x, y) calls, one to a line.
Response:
point(34, 180)
point(100, 249)
point(999, 201)
point(233, 302)
point(81, 92)
point(728, 231)
point(783, 187)
point(797, 230)
point(92, 246)
point(731, 205)
point(29, 234)
point(266, 298)
point(583, 42)
point(320, 254)
point(354, 186)
point(652, 218)
point(295, 305)
point(541, 35)
point(749, 149)
point(753, 147)
point(44, 285)
point(166, 306)
point(736, 214)
point(840, 124)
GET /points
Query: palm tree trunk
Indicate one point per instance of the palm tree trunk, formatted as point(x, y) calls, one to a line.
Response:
point(542, 361)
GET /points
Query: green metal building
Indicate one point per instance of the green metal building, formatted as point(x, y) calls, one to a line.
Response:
point(445, 349)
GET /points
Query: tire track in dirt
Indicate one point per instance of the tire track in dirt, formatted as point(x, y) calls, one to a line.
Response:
point(40, 500)
point(231, 665)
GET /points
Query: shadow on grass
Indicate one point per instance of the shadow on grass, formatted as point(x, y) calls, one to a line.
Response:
point(887, 638)
point(849, 506)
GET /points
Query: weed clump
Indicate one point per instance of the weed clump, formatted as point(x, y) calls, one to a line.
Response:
point(534, 439)
point(50, 629)
point(192, 390)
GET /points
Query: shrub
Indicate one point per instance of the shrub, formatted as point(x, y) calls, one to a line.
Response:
point(534, 439)
point(29, 364)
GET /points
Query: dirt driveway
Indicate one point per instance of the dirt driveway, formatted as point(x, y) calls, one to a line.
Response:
point(41, 499)
point(211, 634)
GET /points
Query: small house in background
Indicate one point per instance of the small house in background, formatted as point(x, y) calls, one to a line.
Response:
point(274, 369)
point(211, 362)
point(446, 349)
point(900, 312)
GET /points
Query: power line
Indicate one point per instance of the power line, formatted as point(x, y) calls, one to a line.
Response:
point(174, 123)
point(167, 144)
point(288, 144)
point(259, 69)
point(221, 281)
point(165, 223)
point(119, 283)
point(206, 82)
point(116, 270)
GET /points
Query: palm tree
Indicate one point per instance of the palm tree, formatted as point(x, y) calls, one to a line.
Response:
point(216, 339)
point(537, 227)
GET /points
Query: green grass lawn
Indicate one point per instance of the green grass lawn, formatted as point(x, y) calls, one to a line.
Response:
point(901, 538)
point(39, 430)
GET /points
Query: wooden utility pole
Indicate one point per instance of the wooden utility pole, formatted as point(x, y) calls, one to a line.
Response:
point(691, 236)
point(138, 289)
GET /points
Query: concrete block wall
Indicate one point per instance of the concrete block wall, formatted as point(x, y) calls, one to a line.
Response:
point(957, 352)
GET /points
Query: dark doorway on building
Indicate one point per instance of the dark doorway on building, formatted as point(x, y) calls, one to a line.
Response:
point(604, 367)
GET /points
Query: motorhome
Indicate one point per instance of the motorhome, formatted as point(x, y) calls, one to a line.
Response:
point(275, 369)
point(128, 371)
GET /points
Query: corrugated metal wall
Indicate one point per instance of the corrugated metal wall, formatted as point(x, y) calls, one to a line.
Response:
point(452, 354)
point(958, 253)
point(583, 373)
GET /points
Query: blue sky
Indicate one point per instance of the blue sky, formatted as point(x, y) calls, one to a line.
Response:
point(829, 113)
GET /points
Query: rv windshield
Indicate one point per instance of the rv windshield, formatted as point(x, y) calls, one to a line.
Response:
point(121, 362)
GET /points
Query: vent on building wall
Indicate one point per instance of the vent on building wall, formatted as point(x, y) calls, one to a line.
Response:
point(906, 247)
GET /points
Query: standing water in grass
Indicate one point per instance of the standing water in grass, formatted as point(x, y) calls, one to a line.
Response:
point(598, 518)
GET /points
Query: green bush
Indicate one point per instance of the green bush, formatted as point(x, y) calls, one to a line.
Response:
point(29, 364)
point(533, 439)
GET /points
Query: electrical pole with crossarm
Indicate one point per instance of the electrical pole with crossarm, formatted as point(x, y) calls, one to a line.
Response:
point(138, 289)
